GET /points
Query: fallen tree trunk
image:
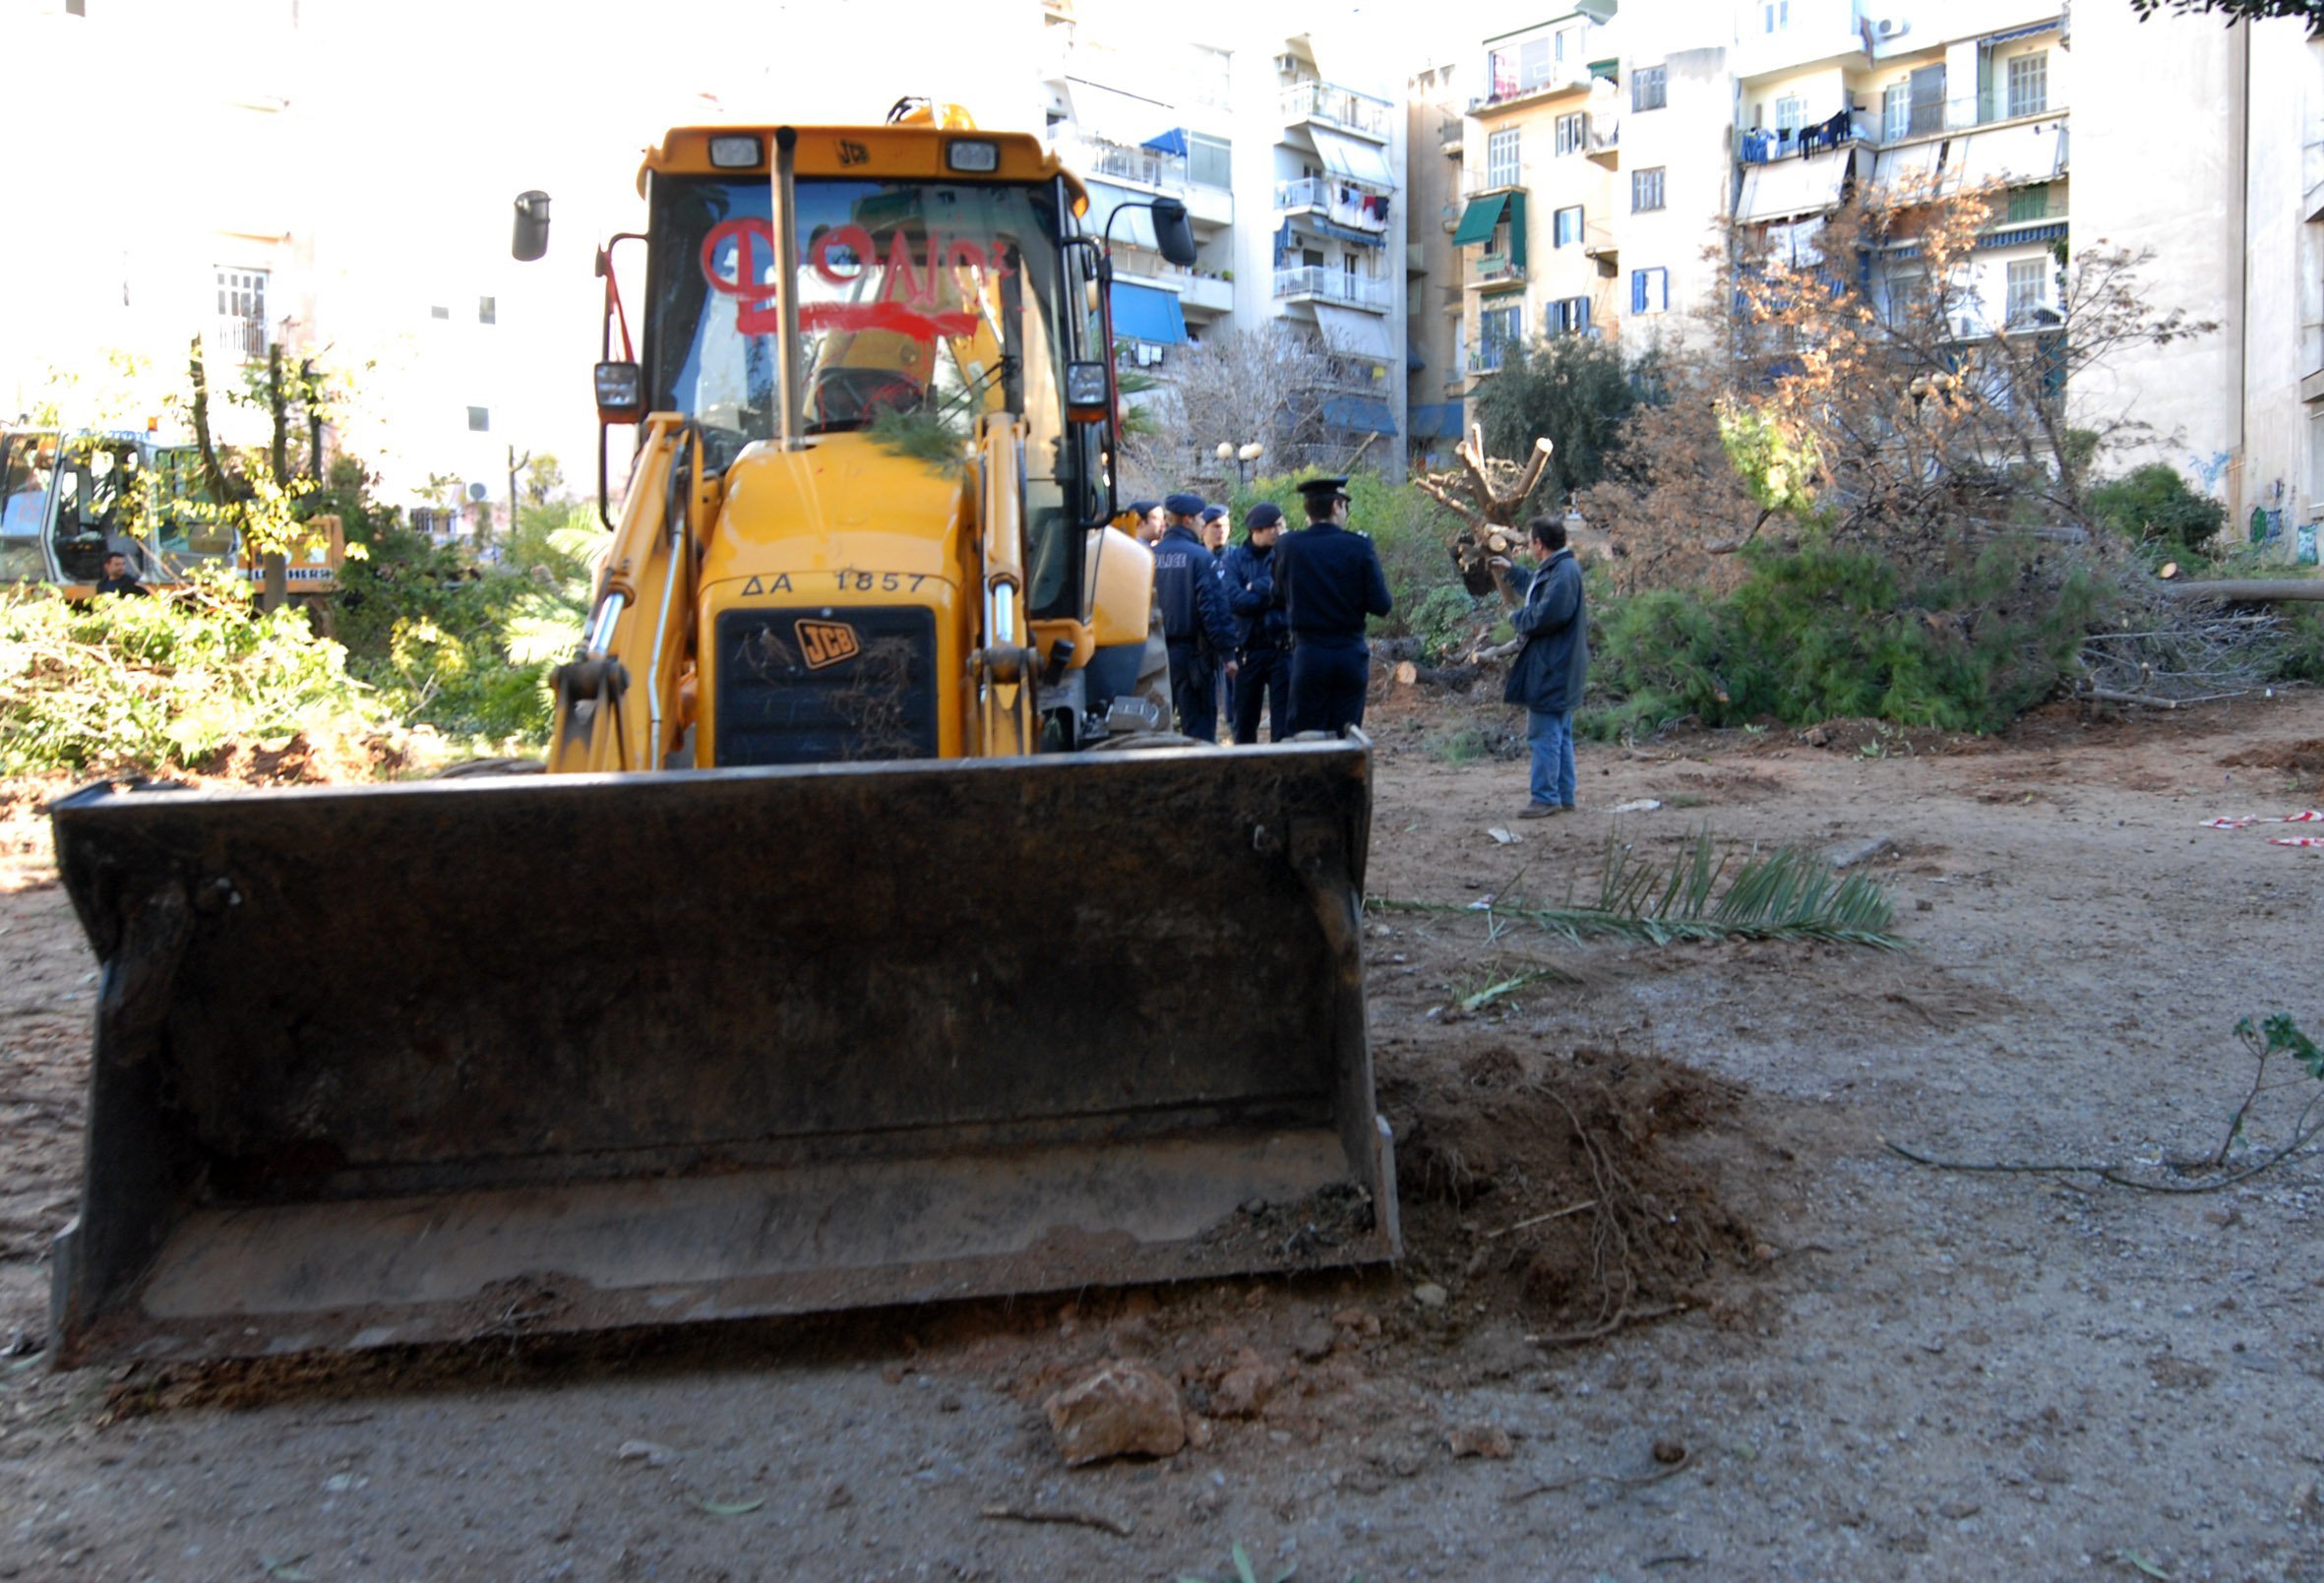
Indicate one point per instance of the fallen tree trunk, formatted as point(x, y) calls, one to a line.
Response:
point(2249, 591)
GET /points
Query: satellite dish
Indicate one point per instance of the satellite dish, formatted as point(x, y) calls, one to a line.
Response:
point(477, 491)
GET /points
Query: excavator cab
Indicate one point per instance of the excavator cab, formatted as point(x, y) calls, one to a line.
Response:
point(851, 951)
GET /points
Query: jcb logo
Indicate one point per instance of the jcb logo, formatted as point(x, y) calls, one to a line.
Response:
point(827, 643)
point(852, 152)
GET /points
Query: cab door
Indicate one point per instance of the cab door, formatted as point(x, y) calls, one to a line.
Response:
point(28, 487)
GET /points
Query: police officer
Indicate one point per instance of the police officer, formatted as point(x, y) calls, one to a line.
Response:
point(1328, 579)
point(1196, 622)
point(1262, 648)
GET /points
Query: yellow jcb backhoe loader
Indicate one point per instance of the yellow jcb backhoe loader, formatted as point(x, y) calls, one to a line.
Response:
point(861, 944)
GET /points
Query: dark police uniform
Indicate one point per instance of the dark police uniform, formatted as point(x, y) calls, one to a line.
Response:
point(1194, 613)
point(1328, 579)
point(1262, 646)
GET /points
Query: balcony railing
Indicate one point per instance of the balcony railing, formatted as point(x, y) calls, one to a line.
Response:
point(1341, 201)
point(1487, 359)
point(1332, 285)
point(1498, 269)
point(1318, 100)
point(1119, 161)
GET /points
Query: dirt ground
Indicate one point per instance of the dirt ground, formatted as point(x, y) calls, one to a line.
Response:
point(1670, 1307)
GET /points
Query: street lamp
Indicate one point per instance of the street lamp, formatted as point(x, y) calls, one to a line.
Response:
point(1241, 458)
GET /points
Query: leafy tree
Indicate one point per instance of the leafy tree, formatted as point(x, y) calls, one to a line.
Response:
point(1573, 390)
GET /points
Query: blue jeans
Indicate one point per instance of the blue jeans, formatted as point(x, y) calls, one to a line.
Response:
point(1552, 736)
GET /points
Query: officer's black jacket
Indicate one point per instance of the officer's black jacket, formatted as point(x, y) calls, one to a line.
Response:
point(1250, 591)
point(1328, 579)
point(1193, 595)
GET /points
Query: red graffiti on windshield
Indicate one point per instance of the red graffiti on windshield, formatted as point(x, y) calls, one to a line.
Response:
point(910, 300)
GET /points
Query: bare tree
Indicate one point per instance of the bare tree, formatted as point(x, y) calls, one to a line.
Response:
point(1268, 385)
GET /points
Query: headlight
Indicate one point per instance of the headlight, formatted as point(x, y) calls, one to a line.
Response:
point(736, 152)
point(974, 155)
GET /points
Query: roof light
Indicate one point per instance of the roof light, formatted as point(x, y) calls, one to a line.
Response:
point(973, 154)
point(736, 152)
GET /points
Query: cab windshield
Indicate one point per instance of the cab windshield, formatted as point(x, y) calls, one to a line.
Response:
point(923, 306)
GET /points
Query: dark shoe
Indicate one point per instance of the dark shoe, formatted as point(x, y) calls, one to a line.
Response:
point(1564, 808)
point(1540, 809)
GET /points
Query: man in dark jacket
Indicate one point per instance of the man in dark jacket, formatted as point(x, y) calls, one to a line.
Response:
point(1196, 622)
point(1549, 670)
point(1262, 646)
point(1328, 579)
point(118, 578)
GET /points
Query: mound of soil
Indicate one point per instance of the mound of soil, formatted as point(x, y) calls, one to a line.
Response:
point(1549, 1185)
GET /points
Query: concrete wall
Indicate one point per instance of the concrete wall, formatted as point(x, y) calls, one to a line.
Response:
point(2173, 184)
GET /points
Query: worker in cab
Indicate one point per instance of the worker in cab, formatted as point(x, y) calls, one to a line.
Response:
point(1197, 623)
point(1263, 639)
point(1327, 581)
point(118, 578)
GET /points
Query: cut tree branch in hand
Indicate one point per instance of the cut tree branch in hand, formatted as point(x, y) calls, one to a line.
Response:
point(1489, 496)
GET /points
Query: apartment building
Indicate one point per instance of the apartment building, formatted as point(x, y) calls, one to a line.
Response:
point(205, 244)
point(1291, 166)
point(1435, 354)
point(1540, 167)
point(2229, 202)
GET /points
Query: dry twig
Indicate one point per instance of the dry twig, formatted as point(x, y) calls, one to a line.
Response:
point(1118, 1527)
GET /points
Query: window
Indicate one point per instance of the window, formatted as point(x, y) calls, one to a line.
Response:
point(2025, 289)
point(1573, 133)
point(1649, 88)
point(1909, 302)
point(1778, 13)
point(487, 311)
point(2028, 84)
point(1896, 111)
point(1497, 330)
point(1570, 315)
point(1650, 290)
point(242, 330)
point(2029, 203)
point(1645, 190)
point(439, 311)
point(1566, 226)
point(1787, 117)
point(1210, 161)
point(1926, 87)
point(1501, 159)
point(480, 419)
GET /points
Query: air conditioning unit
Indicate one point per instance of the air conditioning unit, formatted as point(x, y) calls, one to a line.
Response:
point(1891, 26)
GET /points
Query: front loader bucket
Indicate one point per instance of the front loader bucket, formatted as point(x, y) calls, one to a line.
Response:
point(428, 1061)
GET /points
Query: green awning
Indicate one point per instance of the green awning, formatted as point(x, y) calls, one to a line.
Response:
point(1479, 218)
point(1517, 229)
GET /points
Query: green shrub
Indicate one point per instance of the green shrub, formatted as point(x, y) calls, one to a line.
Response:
point(1824, 631)
point(1409, 531)
point(130, 685)
point(464, 648)
point(2153, 506)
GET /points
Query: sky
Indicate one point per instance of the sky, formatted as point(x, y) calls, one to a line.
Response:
point(419, 121)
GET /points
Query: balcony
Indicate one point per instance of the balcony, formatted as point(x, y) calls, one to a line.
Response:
point(1342, 203)
point(1337, 106)
point(1565, 78)
point(1313, 282)
point(1452, 135)
point(1119, 161)
point(1605, 145)
point(1206, 294)
point(1497, 272)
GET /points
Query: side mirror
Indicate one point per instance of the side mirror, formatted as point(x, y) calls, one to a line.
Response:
point(1174, 234)
point(620, 393)
point(1085, 393)
point(531, 239)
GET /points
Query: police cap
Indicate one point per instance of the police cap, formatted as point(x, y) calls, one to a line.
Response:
point(1211, 514)
point(1138, 507)
point(1323, 486)
point(1182, 505)
point(1267, 513)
